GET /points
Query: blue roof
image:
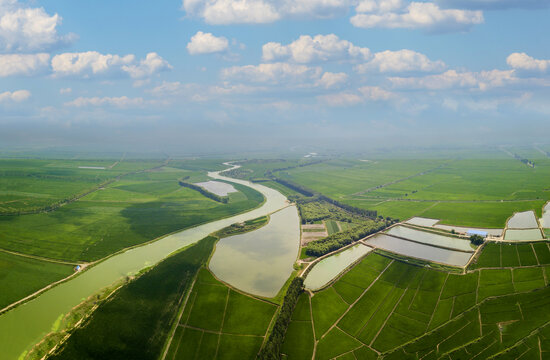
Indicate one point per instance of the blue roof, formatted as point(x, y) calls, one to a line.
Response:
point(477, 232)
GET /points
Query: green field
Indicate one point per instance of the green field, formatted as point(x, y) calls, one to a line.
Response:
point(21, 276)
point(32, 184)
point(220, 323)
point(390, 309)
point(513, 255)
point(474, 192)
point(136, 209)
point(135, 322)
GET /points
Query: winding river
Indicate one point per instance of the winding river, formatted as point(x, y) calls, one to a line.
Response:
point(28, 323)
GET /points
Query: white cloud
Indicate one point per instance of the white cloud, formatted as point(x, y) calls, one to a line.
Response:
point(22, 64)
point(87, 64)
point(167, 89)
point(64, 91)
point(223, 12)
point(363, 94)
point(330, 80)
point(452, 79)
point(121, 102)
point(401, 61)
point(308, 49)
point(274, 73)
point(375, 93)
point(152, 64)
point(206, 43)
point(24, 29)
point(522, 61)
point(15, 96)
point(416, 15)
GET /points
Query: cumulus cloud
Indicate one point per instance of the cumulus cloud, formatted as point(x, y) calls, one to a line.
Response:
point(120, 102)
point(87, 64)
point(15, 96)
point(522, 61)
point(307, 49)
point(23, 64)
point(330, 80)
point(25, 29)
point(223, 12)
point(415, 15)
point(452, 79)
point(273, 73)
point(64, 91)
point(401, 61)
point(206, 43)
point(152, 64)
point(363, 94)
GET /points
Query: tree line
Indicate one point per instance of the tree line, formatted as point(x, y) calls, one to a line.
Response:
point(208, 194)
point(338, 240)
point(272, 348)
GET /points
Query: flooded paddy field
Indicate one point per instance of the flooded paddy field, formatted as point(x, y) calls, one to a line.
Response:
point(327, 269)
point(523, 220)
point(420, 251)
point(464, 230)
point(545, 221)
point(217, 187)
point(523, 234)
point(420, 221)
point(430, 238)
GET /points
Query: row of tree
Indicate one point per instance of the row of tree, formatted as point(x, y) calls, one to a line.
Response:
point(208, 194)
point(272, 348)
point(296, 187)
point(336, 241)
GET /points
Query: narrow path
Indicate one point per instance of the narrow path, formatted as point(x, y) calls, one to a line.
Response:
point(40, 258)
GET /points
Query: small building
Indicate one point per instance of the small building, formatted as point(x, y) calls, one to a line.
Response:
point(477, 232)
point(77, 268)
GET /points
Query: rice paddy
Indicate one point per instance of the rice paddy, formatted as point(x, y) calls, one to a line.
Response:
point(220, 323)
point(390, 309)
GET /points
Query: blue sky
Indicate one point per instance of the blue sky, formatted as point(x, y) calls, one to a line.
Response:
point(234, 71)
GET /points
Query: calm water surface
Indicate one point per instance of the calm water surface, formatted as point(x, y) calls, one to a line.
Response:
point(523, 220)
point(25, 325)
point(327, 269)
point(259, 262)
point(420, 251)
point(431, 239)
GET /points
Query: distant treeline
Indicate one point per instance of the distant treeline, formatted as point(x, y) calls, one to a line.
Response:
point(296, 187)
point(351, 209)
point(208, 194)
point(272, 348)
point(336, 241)
point(525, 161)
point(268, 173)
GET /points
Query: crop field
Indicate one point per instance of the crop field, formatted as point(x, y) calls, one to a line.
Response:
point(135, 322)
point(220, 323)
point(22, 276)
point(29, 184)
point(384, 307)
point(136, 209)
point(496, 255)
point(476, 192)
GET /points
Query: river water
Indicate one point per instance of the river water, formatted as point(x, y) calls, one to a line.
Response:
point(27, 324)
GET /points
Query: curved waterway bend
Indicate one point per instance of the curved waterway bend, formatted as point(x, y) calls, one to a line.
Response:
point(28, 323)
point(259, 262)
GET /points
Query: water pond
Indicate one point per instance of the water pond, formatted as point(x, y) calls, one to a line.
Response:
point(420, 251)
point(430, 238)
point(329, 268)
point(27, 324)
point(420, 221)
point(523, 235)
point(464, 230)
point(217, 187)
point(523, 220)
point(259, 262)
point(545, 221)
